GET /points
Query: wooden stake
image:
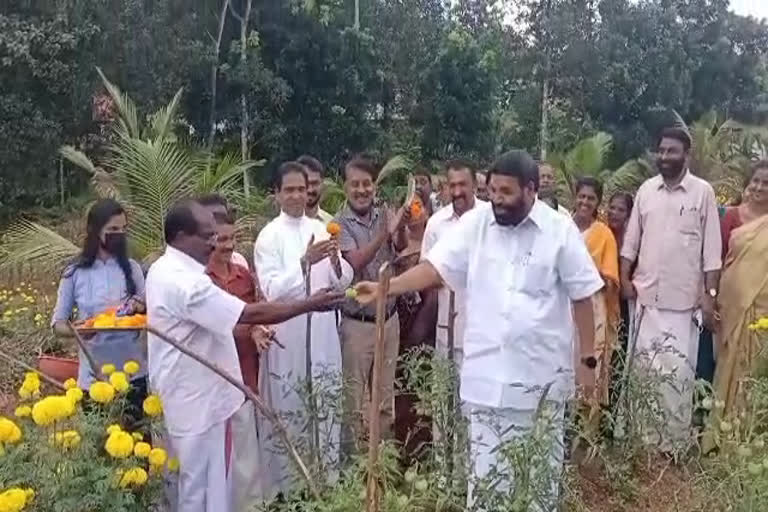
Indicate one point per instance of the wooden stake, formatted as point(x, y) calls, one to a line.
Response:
point(452, 401)
point(87, 352)
point(314, 431)
point(257, 402)
point(374, 436)
point(22, 364)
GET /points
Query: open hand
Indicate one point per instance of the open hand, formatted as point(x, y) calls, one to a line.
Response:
point(366, 292)
point(317, 251)
point(399, 220)
point(262, 337)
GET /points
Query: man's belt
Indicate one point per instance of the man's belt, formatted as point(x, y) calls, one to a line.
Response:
point(363, 317)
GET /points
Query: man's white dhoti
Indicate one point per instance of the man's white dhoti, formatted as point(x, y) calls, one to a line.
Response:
point(490, 427)
point(668, 343)
point(248, 469)
point(203, 482)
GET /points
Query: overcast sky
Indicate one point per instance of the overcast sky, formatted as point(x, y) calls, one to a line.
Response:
point(756, 8)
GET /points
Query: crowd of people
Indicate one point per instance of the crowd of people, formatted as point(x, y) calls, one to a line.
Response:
point(537, 299)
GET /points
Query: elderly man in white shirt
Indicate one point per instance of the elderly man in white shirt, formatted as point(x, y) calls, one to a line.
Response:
point(282, 248)
point(461, 185)
point(185, 304)
point(523, 266)
point(548, 187)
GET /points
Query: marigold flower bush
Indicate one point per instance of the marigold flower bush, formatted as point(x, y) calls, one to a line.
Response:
point(72, 450)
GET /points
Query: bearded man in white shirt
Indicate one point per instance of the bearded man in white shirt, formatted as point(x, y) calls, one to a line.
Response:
point(523, 265)
point(283, 247)
point(461, 185)
point(198, 404)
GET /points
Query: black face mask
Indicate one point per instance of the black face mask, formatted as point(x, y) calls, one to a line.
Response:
point(115, 244)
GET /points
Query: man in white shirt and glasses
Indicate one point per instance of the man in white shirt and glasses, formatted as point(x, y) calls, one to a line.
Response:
point(523, 266)
point(185, 304)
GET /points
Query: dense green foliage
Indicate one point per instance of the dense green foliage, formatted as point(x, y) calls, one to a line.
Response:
point(427, 79)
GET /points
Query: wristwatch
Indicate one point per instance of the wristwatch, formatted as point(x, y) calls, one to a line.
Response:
point(590, 362)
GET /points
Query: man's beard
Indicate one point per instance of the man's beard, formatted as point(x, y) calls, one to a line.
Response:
point(671, 168)
point(511, 215)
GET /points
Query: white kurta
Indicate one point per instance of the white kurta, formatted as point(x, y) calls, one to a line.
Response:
point(277, 254)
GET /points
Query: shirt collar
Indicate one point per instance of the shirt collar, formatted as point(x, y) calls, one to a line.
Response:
point(184, 259)
point(349, 213)
point(290, 219)
point(684, 184)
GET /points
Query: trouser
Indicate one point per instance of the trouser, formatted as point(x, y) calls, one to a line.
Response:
point(667, 344)
point(358, 340)
point(248, 468)
point(497, 466)
point(204, 485)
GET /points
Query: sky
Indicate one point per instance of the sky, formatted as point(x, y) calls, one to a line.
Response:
point(756, 8)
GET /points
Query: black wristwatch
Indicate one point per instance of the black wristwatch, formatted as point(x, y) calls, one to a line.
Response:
point(590, 362)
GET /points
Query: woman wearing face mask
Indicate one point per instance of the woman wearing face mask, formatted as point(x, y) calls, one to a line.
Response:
point(604, 251)
point(103, 277)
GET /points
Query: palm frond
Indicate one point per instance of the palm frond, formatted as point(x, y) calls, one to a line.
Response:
point(628, 177)
point(128, 119)
point(588, 156)
point(77, 157)
point(27, 244)
point(333, 196)
point(393, 165)
point(162, 121)
point(223, 175)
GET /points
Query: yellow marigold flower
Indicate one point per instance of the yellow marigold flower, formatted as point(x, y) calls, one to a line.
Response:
point(70, 383)
point(157, 457)
point(9, 431)
point(24, 393)
point(52, 408)
point(142, 450)
point(131, 367)
point(152, 405)
point(119, 381)
point(173, 464)
point(137, 436)
point(102, 392)
point(119, 444)
point(74, 394)
point(114, 428)
point(14, 499)
point(30, 494)
point(67, 439)
point(134, 477)
point(108, 369)
point(23, 411)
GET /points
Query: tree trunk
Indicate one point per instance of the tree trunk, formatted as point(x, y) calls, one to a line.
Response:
point(544, 131)
point(244, 121)
point(357, 14)
point(215, 73)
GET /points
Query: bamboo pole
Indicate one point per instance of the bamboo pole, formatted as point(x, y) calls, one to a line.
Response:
point(374, 436)
point(22, 364)
point(257, 402)
point(452, 401)
point(314, 440)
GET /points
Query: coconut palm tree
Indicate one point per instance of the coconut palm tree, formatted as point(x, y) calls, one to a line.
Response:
point(587, 158)
point(147, 169)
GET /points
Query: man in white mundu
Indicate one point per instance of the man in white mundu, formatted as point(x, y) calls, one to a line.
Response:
point(461, 185)
point(282, 248)
point(198, 404)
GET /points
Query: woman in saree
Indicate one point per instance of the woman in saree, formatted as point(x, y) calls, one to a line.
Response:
point(743, 299)
point(602, 246)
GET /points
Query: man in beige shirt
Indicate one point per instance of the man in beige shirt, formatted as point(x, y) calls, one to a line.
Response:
point(674, 237)
point(548, 187)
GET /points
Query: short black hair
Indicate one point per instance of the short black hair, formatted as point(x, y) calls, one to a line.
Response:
point(223, 218)
point(676, 133)
point(289, 168)
point(421, 170)
point(594, 183)
point(364, 163)
point(311, 163)
point(460, 163)
point(180, 219)
point(519, 164)
point(213, 200)
point(629, 201)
